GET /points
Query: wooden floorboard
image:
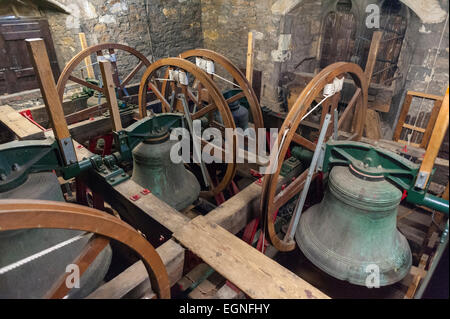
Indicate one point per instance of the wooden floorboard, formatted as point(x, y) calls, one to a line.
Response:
point(255, 274)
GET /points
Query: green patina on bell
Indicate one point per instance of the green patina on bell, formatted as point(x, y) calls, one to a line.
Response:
point(154, 170)
point(354, 228)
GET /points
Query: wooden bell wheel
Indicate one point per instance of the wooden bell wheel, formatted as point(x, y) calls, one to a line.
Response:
point(28, 214)
point(272, 199)
point(238, 77)
point(72, 70)
point(199, 108)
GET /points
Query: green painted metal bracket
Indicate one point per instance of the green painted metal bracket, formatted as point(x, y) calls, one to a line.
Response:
point(376, 162)
point(20, 158)
point(129, 138)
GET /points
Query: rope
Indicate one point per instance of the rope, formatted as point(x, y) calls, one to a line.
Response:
point(40, 254)
point(328, 91)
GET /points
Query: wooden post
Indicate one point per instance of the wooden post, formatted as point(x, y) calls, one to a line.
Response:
point(87, 60)
point(249, 69)
point(372, 131)
point(110, 93)
point(372, 57)
point(44, 74)
point(434, 145)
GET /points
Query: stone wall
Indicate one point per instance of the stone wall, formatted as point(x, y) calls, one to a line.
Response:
point(175, 26)
point(102, 21)
point(171, 27)
point(420, 71)
point(225, 26)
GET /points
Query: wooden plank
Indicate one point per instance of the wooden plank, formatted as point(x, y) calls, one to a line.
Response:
point(401, 120)
point(431, 122)
point(164, 214)
point(136, 277)
point(110, 93)
point(87, 60)
point(436, 139)
point(41, 64)
point(372, 125)
point(414, 128)
point(18, 124)
point(238, 211)
point(426, 95)
point(251, 271)
point(373, 52)
point(233, 215)
point(249, 68)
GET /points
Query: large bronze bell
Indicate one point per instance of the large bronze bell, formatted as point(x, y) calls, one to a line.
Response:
point(352, 233)
point(154, 170)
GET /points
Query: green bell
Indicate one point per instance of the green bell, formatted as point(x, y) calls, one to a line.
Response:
point(154, 170)
point(352, 233)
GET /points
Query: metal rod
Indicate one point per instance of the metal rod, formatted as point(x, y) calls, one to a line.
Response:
point(335, 126)
point(187, 114)
point(301, 202)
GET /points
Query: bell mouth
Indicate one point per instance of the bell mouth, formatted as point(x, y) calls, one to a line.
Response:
point(157, 136)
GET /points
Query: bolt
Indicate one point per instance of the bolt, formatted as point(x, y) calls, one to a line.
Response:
point(15, 167)
point(2, 177)
point(112, 179)
point(123, 174)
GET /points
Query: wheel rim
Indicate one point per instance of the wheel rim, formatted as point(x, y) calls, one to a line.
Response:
point(270, 202)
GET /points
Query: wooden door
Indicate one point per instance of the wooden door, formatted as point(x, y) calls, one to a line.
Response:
point(16, 71)
point(338, 38)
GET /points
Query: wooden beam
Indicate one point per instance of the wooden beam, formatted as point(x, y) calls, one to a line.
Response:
point(44, 74)
point(110, 93)
point(436, 139)
point(163, 213)
point(41, 64)
point(87, 60)
point(135, 277)
point(372, 57)
point(249, 69)
point(18, 124)
point(255, 274)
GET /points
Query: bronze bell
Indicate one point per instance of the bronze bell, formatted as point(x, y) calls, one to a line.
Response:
point(154, 170)
point(353, 231)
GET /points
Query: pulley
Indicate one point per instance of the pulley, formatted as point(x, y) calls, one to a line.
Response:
point(352, 233)
point(154, 170)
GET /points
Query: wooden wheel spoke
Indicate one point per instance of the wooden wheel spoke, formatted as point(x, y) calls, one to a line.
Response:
point(30, 214)
point(235, 97)
point(271, 198)
point(297, 138)
point(85, 83)
point(203, 111)
point(165, 104)
point(350, 106)
point(192, 97)
point(291, 190)
point(208, 95)
point(89, 253)
point(98, 50)
point(131, 74)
